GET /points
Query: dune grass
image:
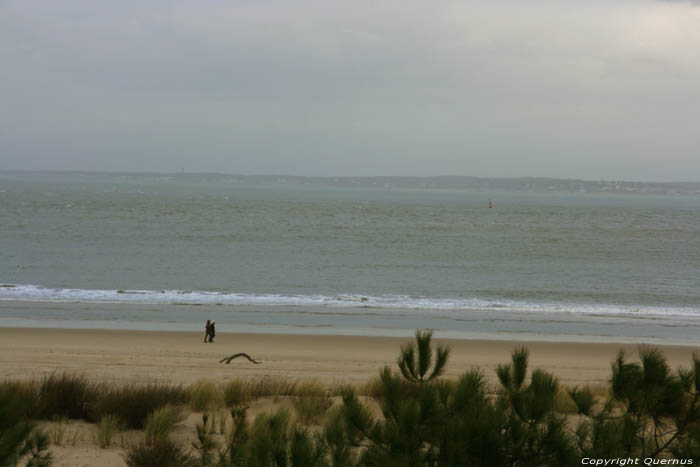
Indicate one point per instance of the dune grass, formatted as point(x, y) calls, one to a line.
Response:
point(24, 393)
point(65, 395)
point(311, 410)
point(133, 403)
point(160, 423)
point(240, 392)
point(205, 395)
point(57, 431)
point(563, 403)
point(236, 393)
point(106, 428)
point(528, 418)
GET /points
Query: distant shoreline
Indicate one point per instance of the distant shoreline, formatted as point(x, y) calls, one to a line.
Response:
point(441, 182)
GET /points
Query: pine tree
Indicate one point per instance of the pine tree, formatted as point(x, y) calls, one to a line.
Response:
point(416, 359)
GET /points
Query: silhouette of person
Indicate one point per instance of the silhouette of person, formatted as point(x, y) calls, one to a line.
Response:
point(212, 331)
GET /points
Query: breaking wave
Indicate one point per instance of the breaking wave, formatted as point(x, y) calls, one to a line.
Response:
point(185, 297)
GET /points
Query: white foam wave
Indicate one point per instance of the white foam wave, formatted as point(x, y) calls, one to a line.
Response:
point(185, 297)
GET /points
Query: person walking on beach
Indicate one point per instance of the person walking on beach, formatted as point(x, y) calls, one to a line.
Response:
point(207, 331)
point(212, 331)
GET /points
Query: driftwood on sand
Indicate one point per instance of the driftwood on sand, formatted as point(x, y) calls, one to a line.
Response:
point(236, 355)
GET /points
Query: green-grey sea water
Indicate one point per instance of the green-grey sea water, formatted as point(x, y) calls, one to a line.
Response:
point(345, 259)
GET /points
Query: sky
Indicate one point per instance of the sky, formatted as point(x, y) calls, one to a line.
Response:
point(559, 88)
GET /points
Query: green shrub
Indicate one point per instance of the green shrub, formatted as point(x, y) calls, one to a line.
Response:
point(649, 412)
point(236, 439)
point(274, 441)
point(205, 444)
point(653, 412)
point(335, 439)
point(532, 431)
point(427, 421)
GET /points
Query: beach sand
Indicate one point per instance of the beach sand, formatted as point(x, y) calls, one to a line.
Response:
point(183, 357)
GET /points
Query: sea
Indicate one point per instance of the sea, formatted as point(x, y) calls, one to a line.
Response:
point(168, 251)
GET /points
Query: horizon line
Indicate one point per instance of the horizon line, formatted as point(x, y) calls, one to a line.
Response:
point(234, 174)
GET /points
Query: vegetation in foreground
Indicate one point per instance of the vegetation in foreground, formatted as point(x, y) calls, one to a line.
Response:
point(409, 417)
point(19, 439)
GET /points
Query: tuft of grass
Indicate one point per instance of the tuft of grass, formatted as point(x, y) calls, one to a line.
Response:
point(311, 410)
point(311, 388)
point(271, 387)
point(107, 427)
point(236, 393)
point(372, 388)
point(162, 453)
point(269, 433)
point(563, 403)
point(57, 431)
point(133, 403)
point(240, 392)
point(160, 423)
point(204, 395)
point(65, 395)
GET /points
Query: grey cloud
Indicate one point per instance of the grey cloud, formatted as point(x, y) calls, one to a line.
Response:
point(483, 88)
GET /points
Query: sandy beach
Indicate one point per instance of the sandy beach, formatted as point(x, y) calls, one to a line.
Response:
point(183, 357)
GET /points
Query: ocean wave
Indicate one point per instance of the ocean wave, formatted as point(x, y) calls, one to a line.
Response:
point(186, 297)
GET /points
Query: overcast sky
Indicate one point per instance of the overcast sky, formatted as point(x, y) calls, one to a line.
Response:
point(562, 88)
